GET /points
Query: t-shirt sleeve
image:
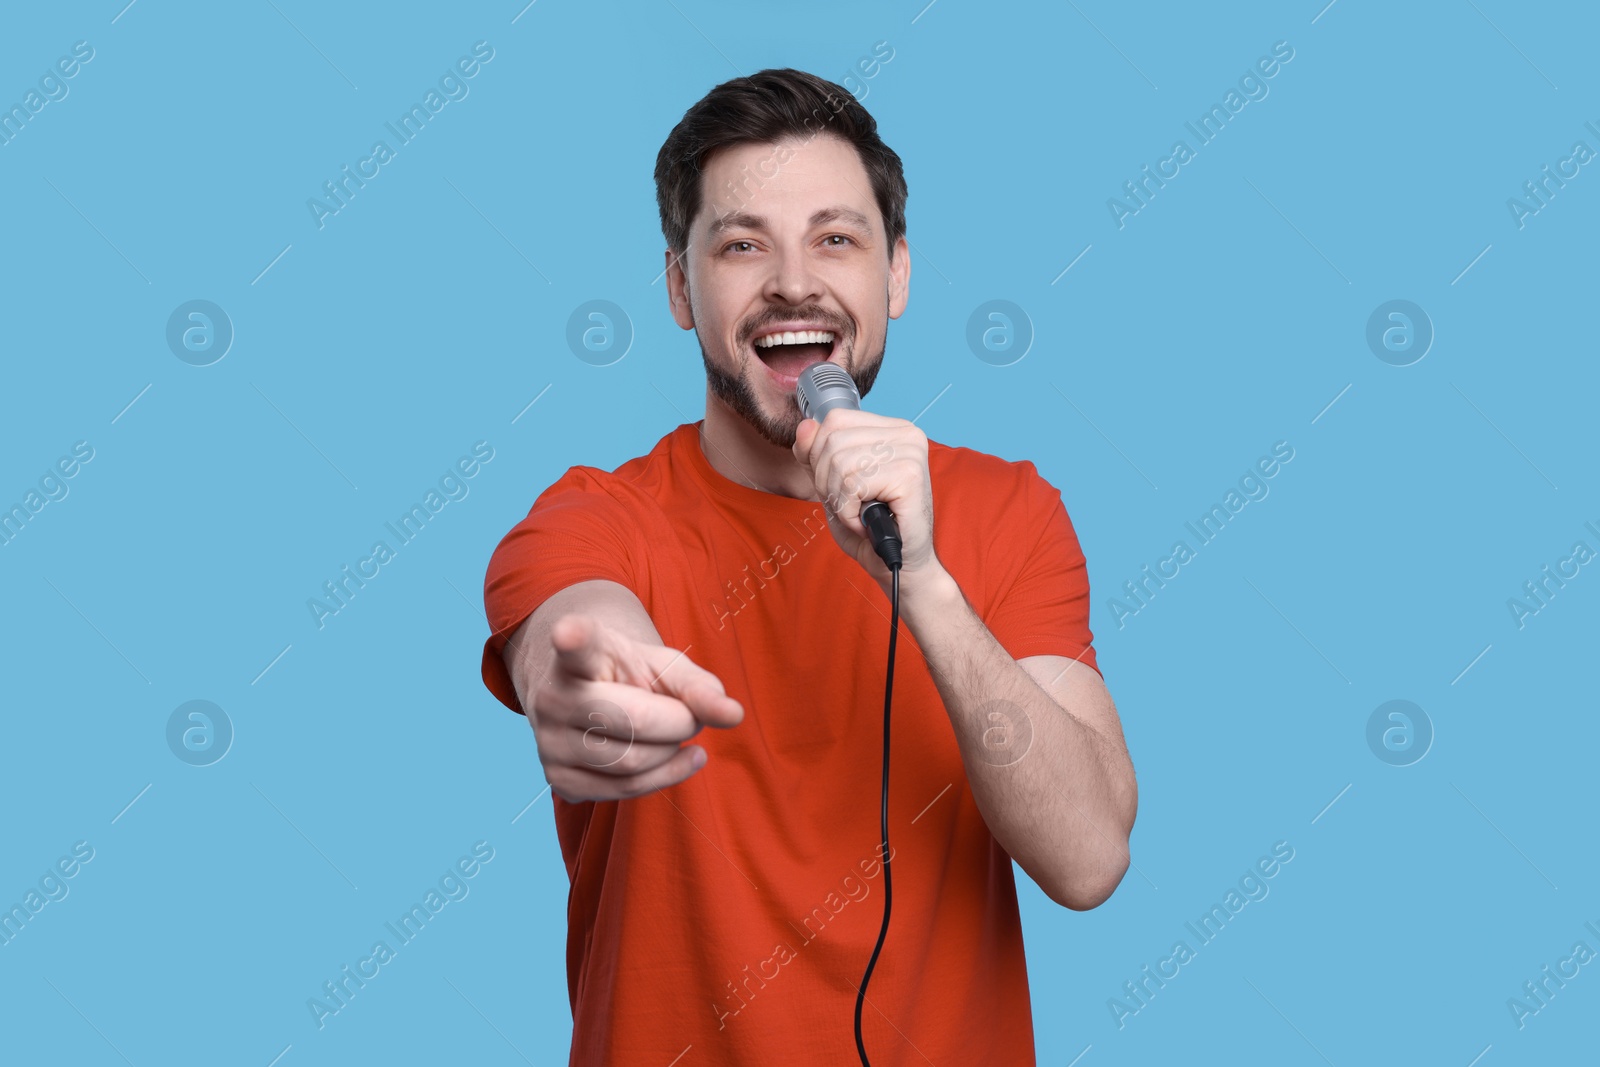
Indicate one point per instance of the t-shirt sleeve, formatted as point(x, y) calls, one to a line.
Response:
point(1045, 610)
point(575, 532)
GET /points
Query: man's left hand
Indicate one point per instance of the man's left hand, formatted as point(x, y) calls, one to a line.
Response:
point(858, 457)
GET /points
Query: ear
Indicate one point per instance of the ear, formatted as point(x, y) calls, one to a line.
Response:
point(899, 278)
point(678, 290)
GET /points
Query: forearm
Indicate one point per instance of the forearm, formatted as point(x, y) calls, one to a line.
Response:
point(1056, 794)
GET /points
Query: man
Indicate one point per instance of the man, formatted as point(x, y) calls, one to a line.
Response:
point(725, 894)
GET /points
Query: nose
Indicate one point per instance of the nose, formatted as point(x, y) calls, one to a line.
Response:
point(792, 279)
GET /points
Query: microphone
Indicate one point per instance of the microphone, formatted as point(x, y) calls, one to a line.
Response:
point(822, 388)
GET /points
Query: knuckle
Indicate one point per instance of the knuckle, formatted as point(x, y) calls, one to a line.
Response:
point(541, 740)
point(563, 785)
point(642, 721)
point(634, 786)
point(630, 763)
point(637, 758)
point(599, 752)
point(549, 707)
point(552, 706)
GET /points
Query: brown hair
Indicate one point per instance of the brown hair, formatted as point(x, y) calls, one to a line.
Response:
point(765, 107)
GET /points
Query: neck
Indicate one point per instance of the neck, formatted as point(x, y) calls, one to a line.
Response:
point(739, 453)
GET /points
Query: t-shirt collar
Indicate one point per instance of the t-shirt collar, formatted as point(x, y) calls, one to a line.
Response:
point(686, 447)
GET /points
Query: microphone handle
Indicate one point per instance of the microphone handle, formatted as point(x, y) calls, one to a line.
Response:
point(879, 521)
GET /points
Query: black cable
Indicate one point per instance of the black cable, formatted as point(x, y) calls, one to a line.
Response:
point(883, 810)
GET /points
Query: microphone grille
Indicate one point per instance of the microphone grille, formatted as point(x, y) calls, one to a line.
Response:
point(823, 387)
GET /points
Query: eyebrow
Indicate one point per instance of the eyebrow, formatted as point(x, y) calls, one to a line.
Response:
point(745, 220)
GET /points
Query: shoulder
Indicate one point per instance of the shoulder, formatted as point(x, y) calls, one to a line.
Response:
point(631, 483)
point(1003, 483)
point(1012, 509)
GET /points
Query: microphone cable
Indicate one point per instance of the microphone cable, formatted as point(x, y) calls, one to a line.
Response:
point(892, 558)
point(821, 388)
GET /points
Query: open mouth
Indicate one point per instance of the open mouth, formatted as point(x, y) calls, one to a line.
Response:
point(789, 353)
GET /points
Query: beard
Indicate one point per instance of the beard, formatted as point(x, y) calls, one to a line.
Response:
point(736, 391)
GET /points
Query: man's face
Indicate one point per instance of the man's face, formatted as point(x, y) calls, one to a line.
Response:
point(788, 238)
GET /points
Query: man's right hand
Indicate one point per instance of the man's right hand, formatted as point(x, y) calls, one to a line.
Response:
point(612, 714)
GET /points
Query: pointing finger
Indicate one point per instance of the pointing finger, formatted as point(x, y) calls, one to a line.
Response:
point(582, 650)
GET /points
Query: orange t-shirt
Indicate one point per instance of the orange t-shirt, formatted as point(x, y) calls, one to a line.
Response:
point(728, 919)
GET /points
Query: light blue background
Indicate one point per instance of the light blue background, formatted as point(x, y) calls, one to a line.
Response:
point(371, 353)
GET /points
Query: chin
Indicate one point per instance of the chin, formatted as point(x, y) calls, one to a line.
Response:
point(750, 401)
point(752, 393)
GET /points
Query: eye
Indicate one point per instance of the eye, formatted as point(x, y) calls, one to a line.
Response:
point(733, 244)
point(840, 237)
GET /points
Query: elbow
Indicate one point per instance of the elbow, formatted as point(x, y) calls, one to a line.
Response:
point(1090, 883)
point(1088, 891)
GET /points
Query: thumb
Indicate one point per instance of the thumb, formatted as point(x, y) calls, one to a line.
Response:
point(804, 434)
point(582, 648)
point(700, 691)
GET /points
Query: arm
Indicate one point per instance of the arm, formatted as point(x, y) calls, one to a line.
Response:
point(1042, 745)
point(1040, 739)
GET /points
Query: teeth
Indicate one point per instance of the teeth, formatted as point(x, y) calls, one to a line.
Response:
point(795, 337)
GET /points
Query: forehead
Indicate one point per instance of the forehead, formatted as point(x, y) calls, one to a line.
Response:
point(785, 181)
